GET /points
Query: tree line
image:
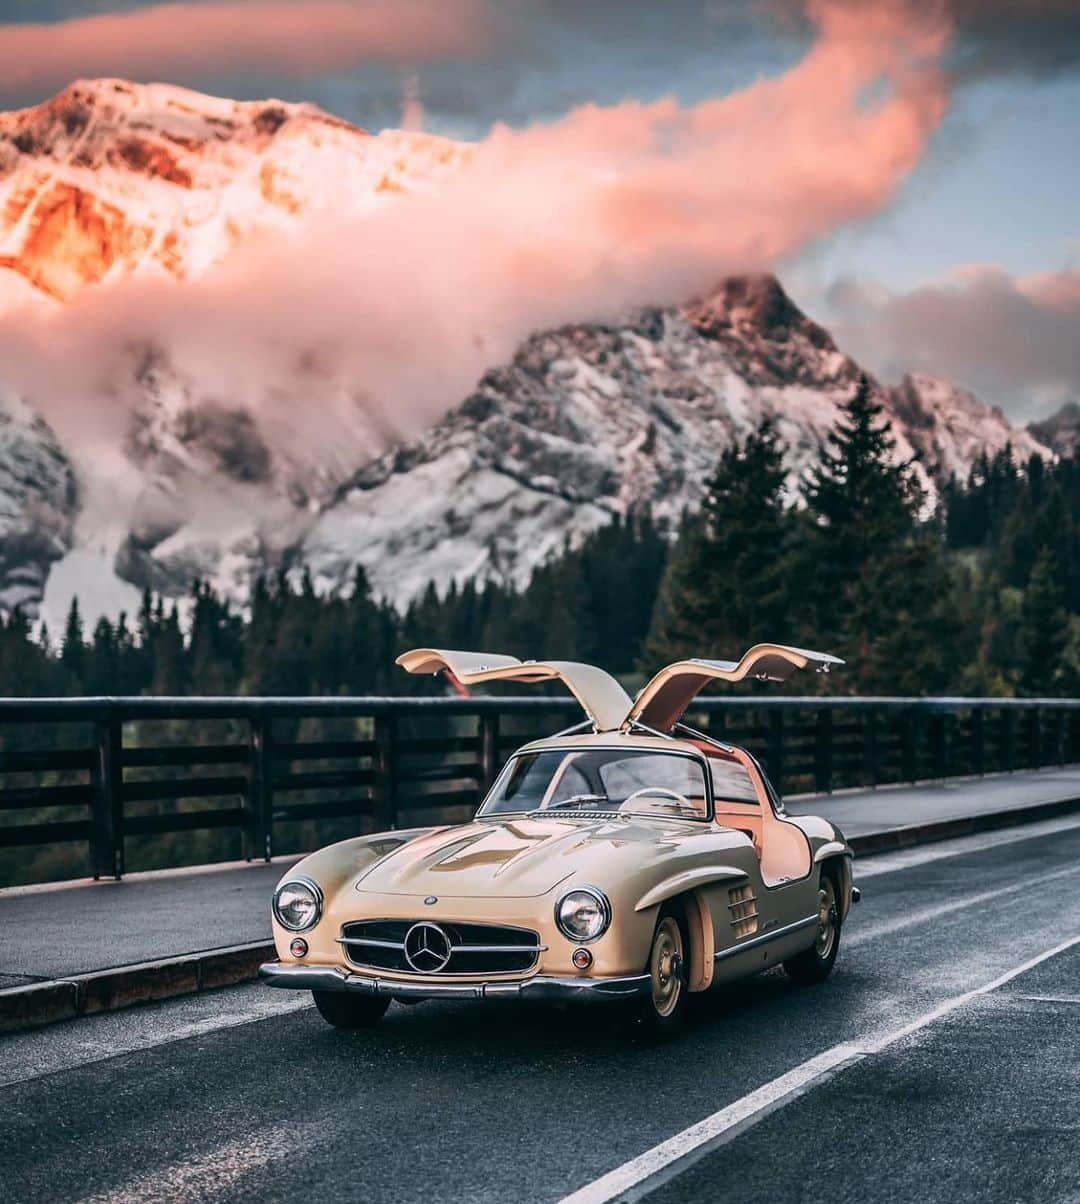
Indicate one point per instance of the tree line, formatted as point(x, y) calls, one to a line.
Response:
point(977, 594)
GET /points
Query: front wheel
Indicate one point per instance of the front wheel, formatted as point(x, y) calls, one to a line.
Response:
point(815, 964)
point(343, 1009)
point(663, 1010)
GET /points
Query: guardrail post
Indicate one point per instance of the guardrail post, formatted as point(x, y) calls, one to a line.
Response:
point(908, 767)
point(978, 742)
point(1036, 738)
point(870, 750)
point(938, 745)
point(776, 749)
point(1008, 718)
point(259, 829)
point(823, 751)
point(107, 815)
point(384, 790)
point(489, 751)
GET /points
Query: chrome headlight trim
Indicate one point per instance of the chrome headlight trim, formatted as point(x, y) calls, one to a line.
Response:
point(316, 891)
point(602, 901)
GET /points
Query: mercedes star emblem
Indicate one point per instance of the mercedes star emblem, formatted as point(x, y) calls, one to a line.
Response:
point(427, 948)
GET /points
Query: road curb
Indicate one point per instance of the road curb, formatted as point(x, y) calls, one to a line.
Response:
point(945, 829)
point(40, 1003)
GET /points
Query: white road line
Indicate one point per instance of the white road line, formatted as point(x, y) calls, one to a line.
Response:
point(755, 1105)
point(890, 863)
point(928, 915)
point(958, 1001)
point(62, 1047)
point(743, 1113)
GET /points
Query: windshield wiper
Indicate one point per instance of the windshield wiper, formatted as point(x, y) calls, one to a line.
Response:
point(574, 799)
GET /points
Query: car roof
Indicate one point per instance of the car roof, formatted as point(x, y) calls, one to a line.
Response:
point(626, 740)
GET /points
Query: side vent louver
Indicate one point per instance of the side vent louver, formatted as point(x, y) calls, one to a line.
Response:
point(743, 908)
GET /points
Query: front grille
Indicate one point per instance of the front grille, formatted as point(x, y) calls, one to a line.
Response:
point(474, 948)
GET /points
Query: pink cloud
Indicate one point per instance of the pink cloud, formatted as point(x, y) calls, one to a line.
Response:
point(381, 323)
point(193, 41)
point(1015, 341)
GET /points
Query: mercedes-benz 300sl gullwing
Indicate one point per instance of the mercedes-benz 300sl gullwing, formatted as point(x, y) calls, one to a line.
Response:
point(631, 860)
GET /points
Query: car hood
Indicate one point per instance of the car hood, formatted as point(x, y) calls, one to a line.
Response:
point(517, 857)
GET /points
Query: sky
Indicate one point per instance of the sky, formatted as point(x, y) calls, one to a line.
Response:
point(959, 253)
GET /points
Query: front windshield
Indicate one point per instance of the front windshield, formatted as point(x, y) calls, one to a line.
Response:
point(631, 781)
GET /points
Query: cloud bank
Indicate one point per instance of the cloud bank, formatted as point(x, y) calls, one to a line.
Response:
point(1016, 342)
point(356, 332)
point(293, 38)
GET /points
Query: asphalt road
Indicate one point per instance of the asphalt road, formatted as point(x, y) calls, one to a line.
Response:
point(944, 1064)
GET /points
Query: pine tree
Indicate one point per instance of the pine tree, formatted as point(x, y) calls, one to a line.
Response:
point(728, 583)
point(73, 650)
point(1042, 635)
point(861, 509)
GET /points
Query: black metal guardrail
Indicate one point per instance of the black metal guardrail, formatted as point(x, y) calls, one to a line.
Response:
point(107, 771)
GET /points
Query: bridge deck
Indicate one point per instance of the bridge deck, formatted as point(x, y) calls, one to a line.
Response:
point(76, 928)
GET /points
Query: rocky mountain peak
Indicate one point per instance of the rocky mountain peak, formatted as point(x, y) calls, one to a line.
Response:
point(1061, 431)
point(111, 179)
point(757, 306)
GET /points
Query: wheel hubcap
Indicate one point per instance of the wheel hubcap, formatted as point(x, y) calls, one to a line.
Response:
point(666, 966)
point(827, 919)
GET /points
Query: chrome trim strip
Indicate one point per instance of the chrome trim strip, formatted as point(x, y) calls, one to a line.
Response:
point(578, 727)
point(369, 940)
point(498, 948)
point(753, 915)
point(787, 930)
point(692, 731)
point(651, 731)
point(742, 902)
point(540, 986)
point(378, 944)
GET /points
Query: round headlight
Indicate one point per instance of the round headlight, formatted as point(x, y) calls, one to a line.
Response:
point(298, 904)
point(583, 914)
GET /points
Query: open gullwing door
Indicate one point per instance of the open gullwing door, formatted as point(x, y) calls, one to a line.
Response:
point(666, 696)
point(605, 701)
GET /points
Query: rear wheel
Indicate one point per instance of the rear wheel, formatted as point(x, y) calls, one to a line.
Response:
point(815, 964)
point(343, 1009)
point(663, 1010)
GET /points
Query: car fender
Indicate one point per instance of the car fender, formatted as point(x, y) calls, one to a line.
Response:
point(831, 848)
point(840, 852)
point(687, 880)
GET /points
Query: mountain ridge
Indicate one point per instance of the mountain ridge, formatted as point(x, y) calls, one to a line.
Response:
point(111, 179)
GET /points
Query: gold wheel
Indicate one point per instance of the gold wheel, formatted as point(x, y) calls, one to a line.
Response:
point(666, 967)
point(828, 919)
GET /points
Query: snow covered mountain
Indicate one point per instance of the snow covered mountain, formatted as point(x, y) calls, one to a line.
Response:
point(111, 178)
point(38, 503)
point(588, 421)
point(1061, 431)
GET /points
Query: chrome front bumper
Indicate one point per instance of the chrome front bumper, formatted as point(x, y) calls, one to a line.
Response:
point(540, 987)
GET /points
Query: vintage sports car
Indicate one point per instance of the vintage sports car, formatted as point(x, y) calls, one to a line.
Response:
point(629, 860)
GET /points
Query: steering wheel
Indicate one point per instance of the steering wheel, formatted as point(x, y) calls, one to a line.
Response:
point(681, 799)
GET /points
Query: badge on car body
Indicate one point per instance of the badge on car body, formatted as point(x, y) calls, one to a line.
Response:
point(431, 899)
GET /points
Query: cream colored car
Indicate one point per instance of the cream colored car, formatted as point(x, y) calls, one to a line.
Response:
point(630, 860)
